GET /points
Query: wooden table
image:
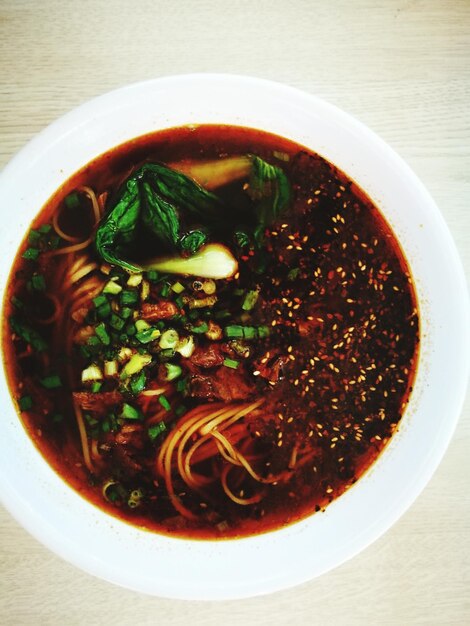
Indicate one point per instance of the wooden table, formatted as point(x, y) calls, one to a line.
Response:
point(403, 68)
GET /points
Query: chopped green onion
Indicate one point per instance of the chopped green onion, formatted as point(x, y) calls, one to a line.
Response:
point(186, 346)
point(234, 332)
point(166, 354)
point(135, 498)
point(141, 325)
point(129, 297)
point(219, 315)
point(292, 275)
point(92, 373)
point(130, 413)
point(72, 201)
point(44, 229)
point(51, 382)
point(263, 332)
point(136, 363)
point(96, 386)
point(16, 302)
point(156, 430)
point(170, 371)
point(134, 280)
point(110, 368)
point(130, 329)
point(100, 300)
point(31, 254)
point(200, 329)
point(147, 335)
point(181, 385)
point(112, 287)
point(250, 300)
point(104, 311)
point(178, 288)
point(126, 312)
point(102, 334)
point(165, 290)
point(138, 382)
point(180, 410)
point(25, 403)
point(37, 282)
point(164, 402)
point(153, 276)
point(179, 301)
point(169, 339)
point(246, 332)
point(116, 322)
point(231, 363)
point(34, 237)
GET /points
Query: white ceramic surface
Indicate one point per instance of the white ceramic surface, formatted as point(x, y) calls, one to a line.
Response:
point(163, 566)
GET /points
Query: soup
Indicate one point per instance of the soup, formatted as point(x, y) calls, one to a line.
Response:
point(210, 332)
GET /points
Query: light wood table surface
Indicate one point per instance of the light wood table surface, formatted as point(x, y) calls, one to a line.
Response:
point(400, 66)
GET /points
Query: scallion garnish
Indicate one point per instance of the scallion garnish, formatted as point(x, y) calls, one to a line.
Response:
point(25, 403)
point(102, 334)
point(234, 332)
point(104, 311)
point(147, 335)
point(164, 402)
point(51, 382)
point(116, 322)
point(178, 288)
point(31, 254)
point(100, 300)
point(37, 282)
point(165, 290)
point(138, 382)
point(72, 201)
point(170, 371)
point(231, 363)
point(180, 410)
point(181, 385)
point(130, 413)
point(96, 386)
point(200, 329)
point(250, 299)
point(129, 297)
point(156, 430)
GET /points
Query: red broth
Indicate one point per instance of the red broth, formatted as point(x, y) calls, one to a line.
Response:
point(333, 373)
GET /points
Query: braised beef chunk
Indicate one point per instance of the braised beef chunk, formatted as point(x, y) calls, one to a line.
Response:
point(160, 311)
point(224, 384)
point(100, 402)
point(131, 436)
point(207, 356)
point(273, 370)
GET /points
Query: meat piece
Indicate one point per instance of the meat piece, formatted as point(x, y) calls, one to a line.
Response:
point(273, 370)
point(122, 456)
point(132, 437)
point(207, 356)
point(224, 384)
point(101, 402)
point(161, 310)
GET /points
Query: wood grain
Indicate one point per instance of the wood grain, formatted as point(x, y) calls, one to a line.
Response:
point(403, 68)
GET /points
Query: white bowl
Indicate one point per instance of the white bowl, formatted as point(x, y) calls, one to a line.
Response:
point(106, 547)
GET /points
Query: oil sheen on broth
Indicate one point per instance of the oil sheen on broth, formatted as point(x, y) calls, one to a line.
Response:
point(199, 406)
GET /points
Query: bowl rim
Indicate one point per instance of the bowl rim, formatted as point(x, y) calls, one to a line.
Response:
point(34, 520)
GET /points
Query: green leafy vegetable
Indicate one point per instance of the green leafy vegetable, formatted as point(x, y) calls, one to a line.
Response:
point(155, 198)
point(270, 189)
